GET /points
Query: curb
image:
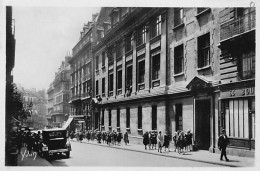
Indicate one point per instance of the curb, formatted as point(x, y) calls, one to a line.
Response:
point(160, 154)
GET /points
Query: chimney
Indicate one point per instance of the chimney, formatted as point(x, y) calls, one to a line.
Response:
point(94, 16)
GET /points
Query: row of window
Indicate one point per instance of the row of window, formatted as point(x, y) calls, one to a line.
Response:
point(155, 70)
point(128, 122)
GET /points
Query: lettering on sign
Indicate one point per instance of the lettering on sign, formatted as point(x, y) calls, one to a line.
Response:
point(239, 92)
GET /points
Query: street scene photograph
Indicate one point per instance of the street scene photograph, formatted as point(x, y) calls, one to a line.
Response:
point(129, 86)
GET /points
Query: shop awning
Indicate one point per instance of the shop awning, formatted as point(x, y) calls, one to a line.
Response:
point(65, 126)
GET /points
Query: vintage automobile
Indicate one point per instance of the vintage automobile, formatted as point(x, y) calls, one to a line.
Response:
point(54, 141)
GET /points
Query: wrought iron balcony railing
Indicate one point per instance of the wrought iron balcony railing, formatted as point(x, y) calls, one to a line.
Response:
point(237, 26)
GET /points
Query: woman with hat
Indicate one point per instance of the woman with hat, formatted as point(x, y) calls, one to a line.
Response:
point(145, 139)
point(223, 142)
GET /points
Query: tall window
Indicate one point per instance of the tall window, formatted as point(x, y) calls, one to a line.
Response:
point(109, 117)
point(141, 74)
point(204, 50)
point(103, 118)
point(239, 118)
point(156, 27)
point(119, 81)
point(103, 85)
point(156, 68)
point(115, 17)
point(246, 64)
point(178, 117)
point(140, 117)
point(141, 36)
point(97, 87)
point(119, 50)
point(154, 117)
point(178, 16)
point(129, 76)
point(127, 117)
point(111, 82)
point(128, 43)
point(178, 59)
point(97, 62)
point(124, 11)
point(118, 118)
point(103, 59)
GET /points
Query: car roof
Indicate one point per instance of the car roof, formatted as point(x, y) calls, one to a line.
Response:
point(54, 129)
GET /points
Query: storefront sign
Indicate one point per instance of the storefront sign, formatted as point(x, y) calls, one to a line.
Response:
point(238, 92)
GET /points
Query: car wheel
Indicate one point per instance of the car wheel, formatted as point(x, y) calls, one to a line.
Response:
point(68, 154)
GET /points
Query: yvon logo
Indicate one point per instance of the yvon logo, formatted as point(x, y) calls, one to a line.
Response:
point(26, 154)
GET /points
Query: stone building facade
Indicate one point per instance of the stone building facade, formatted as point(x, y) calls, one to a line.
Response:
point(169, 69)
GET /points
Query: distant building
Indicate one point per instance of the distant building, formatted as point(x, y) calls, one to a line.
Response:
point(38, 100)
point(58, 96)
point(82, 71)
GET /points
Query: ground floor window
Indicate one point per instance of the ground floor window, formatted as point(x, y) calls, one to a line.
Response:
point(239, 117)
point(109, 117)
point(103, 118)
point(140, 116)
point(118, 118)
point(127, 117)
point(154, 117)
point(178, 117)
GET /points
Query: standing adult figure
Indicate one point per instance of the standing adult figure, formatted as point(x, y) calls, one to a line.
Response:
point(223, 142)
point(166, 142)
point(145, 139)
point(160, 141)
point(126, 140)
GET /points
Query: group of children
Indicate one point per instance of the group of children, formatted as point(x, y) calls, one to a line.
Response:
point(109, 137)
point(182, 141)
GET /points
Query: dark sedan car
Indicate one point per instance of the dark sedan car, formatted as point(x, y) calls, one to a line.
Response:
point(54, 141)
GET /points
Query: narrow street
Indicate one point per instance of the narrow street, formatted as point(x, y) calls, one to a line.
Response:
point(89, 155)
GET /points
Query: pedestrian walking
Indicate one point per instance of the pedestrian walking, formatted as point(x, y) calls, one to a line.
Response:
point(166, 141)
point(109, 138)
point(30, 143)
point(160, 142)
point(126, 140)
point(114, 137)
point(188, 138)
point(174, 139)
point(104, 137)
point(99, 137)
point(80, 136)
point(150, 141)
point(88, 136)
point(181, 142)
point(145, 140)
point(154, 139)
point(119, 137)
point(223, 142)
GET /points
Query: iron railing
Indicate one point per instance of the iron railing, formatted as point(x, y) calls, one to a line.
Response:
point(237, 26)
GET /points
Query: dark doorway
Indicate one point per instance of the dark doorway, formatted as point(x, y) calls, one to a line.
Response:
point(202, 124)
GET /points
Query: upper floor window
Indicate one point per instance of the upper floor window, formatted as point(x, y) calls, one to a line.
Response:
point(156, 67)
point(128, 43)
point(119, 50)
point(97, 87)
point(103, 85)
point(141, 36)
point(155, 27)
point(115, 17)
point(111, 84)
point(97, 61)
point(178, 59)
point(129, 76)
point(246, 64)
point(110, 56)
point(204, 50)
point(141, 74)
point(119, 81)
point(103, 58)
point(178, 16)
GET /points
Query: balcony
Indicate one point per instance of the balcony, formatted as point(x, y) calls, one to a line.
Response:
point(237, 26)
point(85, 95)
point(75, 97)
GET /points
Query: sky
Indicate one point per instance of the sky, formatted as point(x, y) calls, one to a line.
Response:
point(44, 36)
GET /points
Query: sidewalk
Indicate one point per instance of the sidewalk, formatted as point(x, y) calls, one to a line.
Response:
point(24, 159)
point(200, 156)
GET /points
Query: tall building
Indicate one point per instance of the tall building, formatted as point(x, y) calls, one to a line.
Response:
point(169, 69)
point(58, 95)
point(50, 105)
point(82, 72)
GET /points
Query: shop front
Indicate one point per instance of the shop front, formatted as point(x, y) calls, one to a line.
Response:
point(238, 117)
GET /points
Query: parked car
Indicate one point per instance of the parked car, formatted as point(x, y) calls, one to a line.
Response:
point(54, 141)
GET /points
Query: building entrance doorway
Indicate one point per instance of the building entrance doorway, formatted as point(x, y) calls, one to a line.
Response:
point(97, 120)
point(202, 124)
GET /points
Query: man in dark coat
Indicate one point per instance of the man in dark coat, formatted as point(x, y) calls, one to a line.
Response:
point(223, 142)
point(145, 139)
